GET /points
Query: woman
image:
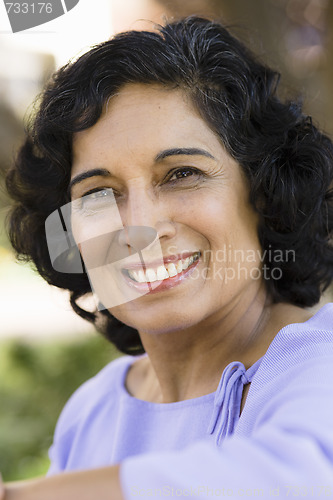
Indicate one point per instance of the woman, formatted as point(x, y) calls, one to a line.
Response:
point(201, 207)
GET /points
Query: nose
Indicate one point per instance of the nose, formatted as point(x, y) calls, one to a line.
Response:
point(137, 237)
point(144, 218)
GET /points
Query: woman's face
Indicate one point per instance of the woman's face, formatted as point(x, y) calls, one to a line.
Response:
point(162, 166)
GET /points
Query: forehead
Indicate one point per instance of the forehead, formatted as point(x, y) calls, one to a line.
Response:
point(146, 118)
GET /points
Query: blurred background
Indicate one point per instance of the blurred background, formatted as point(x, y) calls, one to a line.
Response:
point(46, 351)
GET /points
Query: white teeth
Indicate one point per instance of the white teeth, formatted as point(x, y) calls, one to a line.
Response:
point(162, 273)
point(179, 266)
point(141, 276)
point(151, 275)
point(172, 269)
point(185, 263)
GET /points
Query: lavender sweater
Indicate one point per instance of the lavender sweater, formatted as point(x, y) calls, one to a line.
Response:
point(281, 445)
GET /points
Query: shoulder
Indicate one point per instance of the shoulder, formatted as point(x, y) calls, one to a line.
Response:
point(298, 341)
point(294, 377)
point(104, 387)
point(299, 352)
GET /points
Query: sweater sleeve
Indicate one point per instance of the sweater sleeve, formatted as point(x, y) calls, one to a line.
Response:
point(289, 452)
point(77, 416)
point(67, 424)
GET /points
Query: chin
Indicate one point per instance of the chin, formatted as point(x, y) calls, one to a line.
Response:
point(154, 324)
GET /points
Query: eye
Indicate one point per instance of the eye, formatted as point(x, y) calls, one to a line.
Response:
point(184, 173)
point(96, 194)
point(95, 200)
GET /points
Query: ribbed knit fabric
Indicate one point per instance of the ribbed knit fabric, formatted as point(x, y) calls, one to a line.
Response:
point(281, 445)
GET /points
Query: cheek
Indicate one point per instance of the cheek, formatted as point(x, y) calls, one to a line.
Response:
point(230, 228)
point(213, 218)
point(200, 208)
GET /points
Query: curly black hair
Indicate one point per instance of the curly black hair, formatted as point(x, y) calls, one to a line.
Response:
point(287, 160)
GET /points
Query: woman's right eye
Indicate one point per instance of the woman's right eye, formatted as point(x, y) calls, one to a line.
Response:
point(97, 199)
point(97, 194)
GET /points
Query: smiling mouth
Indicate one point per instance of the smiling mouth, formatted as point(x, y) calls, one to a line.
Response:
point(164, 272)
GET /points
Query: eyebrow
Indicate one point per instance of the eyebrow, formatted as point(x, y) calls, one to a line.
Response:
point(183, 151)
point(103, 172)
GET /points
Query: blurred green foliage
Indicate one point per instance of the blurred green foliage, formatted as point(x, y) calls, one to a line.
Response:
point(35, 382)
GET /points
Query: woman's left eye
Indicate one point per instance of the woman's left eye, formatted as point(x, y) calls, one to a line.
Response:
point(183, 173)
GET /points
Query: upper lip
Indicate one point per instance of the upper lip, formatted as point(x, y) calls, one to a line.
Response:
point(157, 263)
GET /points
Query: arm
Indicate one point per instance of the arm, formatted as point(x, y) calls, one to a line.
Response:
point(101, 484)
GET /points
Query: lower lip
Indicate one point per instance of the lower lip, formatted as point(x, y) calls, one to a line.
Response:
point(160, 286)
